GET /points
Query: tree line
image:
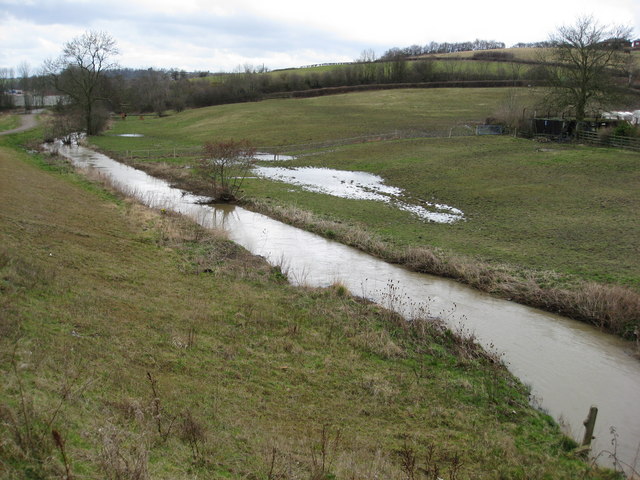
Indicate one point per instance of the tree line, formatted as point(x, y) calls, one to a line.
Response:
point(87, 74)
point(158, 90)
point(439, 48)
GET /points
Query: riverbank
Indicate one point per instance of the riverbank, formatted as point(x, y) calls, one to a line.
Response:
point(152, 347)
point(613, 308)
point(552, 226)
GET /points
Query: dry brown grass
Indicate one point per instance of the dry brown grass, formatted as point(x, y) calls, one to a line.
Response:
point(613, 308)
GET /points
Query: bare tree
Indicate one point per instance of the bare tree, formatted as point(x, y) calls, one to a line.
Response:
point(6, 84)
point(368, 55)
point(24, 72)
point(80, 72)
point(583, 61)
point(226, 164)
point(150, 91)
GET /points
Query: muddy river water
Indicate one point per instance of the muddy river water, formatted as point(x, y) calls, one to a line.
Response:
point(568, 365)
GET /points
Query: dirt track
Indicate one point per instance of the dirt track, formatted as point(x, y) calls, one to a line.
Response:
point(29, 121)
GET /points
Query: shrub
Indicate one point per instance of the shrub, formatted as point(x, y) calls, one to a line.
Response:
point(626, 130)
point(226, 164)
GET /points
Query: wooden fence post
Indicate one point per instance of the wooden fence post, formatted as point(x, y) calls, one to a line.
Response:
point(589, 425)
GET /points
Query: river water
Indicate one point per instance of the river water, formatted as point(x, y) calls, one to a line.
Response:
point(568, 365)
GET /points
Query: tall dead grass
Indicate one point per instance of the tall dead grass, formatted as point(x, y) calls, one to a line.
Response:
point(613, 308)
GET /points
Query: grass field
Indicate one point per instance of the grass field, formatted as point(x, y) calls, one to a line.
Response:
point(135, 345)
point(559, 215)
point(276, 123)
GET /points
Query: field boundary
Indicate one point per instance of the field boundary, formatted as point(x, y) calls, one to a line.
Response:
point(318, 92)
point(617, 141)
point(465, 130)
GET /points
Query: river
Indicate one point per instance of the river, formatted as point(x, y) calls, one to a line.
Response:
point(568, 365)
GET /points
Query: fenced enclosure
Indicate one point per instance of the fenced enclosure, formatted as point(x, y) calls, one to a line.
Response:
point(490, 130)
point(607, 140)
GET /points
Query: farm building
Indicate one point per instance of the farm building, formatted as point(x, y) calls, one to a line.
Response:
point(553, 127)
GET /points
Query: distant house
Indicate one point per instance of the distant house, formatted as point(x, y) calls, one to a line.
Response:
point(617, 44)
point(635, 45)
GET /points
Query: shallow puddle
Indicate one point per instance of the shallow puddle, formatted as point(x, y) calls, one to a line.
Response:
point(358, 186)
point(273, 157)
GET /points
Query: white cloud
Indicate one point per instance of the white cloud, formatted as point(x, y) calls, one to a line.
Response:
point(216, 34)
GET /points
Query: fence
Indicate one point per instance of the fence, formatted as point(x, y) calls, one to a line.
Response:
point(179, 152)
point(609, 140)
point(174, 152)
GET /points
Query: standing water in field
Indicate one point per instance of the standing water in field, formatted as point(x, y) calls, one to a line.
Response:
point(358, 186)
point(569, 365)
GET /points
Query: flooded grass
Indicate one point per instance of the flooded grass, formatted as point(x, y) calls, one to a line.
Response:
point(569, 211)
point(156, 350)
point(358, 186)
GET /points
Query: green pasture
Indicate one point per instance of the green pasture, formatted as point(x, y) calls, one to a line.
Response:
point(286, 122)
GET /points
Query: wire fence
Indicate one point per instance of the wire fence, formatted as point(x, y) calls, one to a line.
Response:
point(595, 138)
point(182, 152)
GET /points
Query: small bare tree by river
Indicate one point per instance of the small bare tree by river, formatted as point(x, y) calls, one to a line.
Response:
point(226, 164)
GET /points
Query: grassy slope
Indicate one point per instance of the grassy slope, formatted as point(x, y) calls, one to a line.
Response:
point(287, 122)
point(9, 121)
point(97, 294)
point(528, 54)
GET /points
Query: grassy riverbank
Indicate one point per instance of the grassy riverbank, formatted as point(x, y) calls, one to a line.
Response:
point(9, 121)
point(135, 345)
point(550, 227)
point(554, 226)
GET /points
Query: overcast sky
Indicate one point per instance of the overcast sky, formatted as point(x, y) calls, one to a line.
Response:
point(214, 35)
